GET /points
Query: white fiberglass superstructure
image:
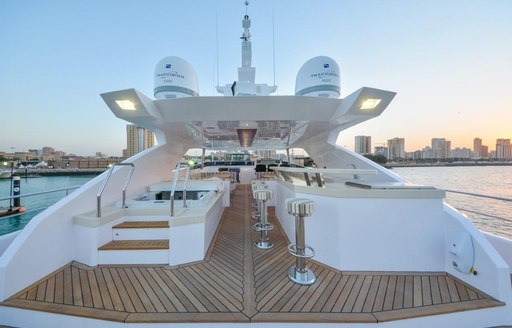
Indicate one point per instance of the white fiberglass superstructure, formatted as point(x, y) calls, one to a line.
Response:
point(370, 229)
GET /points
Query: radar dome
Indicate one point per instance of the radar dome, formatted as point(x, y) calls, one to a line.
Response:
point(175, 78)
point(318, 77)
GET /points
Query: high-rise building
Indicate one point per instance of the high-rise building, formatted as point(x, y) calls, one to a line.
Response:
point(363, 144)
point(396, 148)
point(441, 148)
point(503, 149)
point(138, 139)
point(426, 152)
point(485, 151)
point(380, 150)
point(477, 148)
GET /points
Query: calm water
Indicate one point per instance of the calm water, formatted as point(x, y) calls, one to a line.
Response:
point(491, 180)
point(35, 204)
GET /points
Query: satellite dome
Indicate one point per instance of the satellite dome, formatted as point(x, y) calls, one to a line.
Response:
point(175, 78)
point(318, 77)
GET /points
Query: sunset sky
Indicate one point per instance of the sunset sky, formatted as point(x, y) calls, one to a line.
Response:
point(449, 61)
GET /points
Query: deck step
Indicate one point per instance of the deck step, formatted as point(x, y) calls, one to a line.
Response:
point(135, 245)
point(142, 225)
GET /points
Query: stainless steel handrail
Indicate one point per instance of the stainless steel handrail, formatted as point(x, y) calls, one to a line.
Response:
point(179, 167)
point(484, 214)
point(102, 188)
point(40, 193)
point(473, 194)
point(506, 199)
point(185, 184)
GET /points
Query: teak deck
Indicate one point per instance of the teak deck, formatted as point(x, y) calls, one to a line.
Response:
point(239, 283)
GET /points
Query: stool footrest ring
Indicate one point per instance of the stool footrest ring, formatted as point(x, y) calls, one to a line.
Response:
point(309, 252)
point(262, 227)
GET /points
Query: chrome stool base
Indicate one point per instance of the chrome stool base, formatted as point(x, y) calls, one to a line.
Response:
point(307, 278)
point(263, 244)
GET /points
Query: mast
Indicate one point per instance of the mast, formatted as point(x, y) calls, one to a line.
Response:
point(245, 85)
point(246, 72)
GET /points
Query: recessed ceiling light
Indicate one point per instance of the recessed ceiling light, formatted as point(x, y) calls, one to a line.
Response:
point(126, 104)
point(370, 103)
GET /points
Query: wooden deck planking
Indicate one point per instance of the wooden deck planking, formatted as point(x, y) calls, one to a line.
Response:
point(147, 304)
point(434, 289)
point(50, 290)
point(112, 290)
point(238, 282)
point(142, 225)
point(103, 290)
point(180, 301)
point(134, 244)
point(161, 290)
point(398, 302)
point(372, 294)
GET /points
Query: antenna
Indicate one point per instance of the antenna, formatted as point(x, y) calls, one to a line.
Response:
point(246, 6)
point(213, 77)
point(273, 48)
point(217, 38)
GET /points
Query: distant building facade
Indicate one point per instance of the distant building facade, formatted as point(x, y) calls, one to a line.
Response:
point(426, 152)
point(503, 149)
point(363, 144)
point(477, 148)
point(485, 151)
point(441, 148)
point(137, 140)
point(462, 153)
point(396, 149)
point(380, 150)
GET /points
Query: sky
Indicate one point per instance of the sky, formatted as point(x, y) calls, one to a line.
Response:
point(450, 62)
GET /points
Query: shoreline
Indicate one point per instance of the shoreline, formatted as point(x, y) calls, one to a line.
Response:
point(447, 164)
point(32, 173)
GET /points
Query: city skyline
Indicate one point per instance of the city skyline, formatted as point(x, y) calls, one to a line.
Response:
point(440, 148)
point(450, 74)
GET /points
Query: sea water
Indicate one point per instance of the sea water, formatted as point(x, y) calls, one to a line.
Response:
point(489, 180)
point(35, 204)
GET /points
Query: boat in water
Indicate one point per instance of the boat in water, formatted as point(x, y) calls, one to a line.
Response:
point(152, 242)
point(5, 174)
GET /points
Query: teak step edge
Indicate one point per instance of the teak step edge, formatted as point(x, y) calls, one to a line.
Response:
point(118, 245)
point(142, 225)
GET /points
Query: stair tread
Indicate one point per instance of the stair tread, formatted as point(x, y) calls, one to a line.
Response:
point(135, 245)
point(142, 224)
